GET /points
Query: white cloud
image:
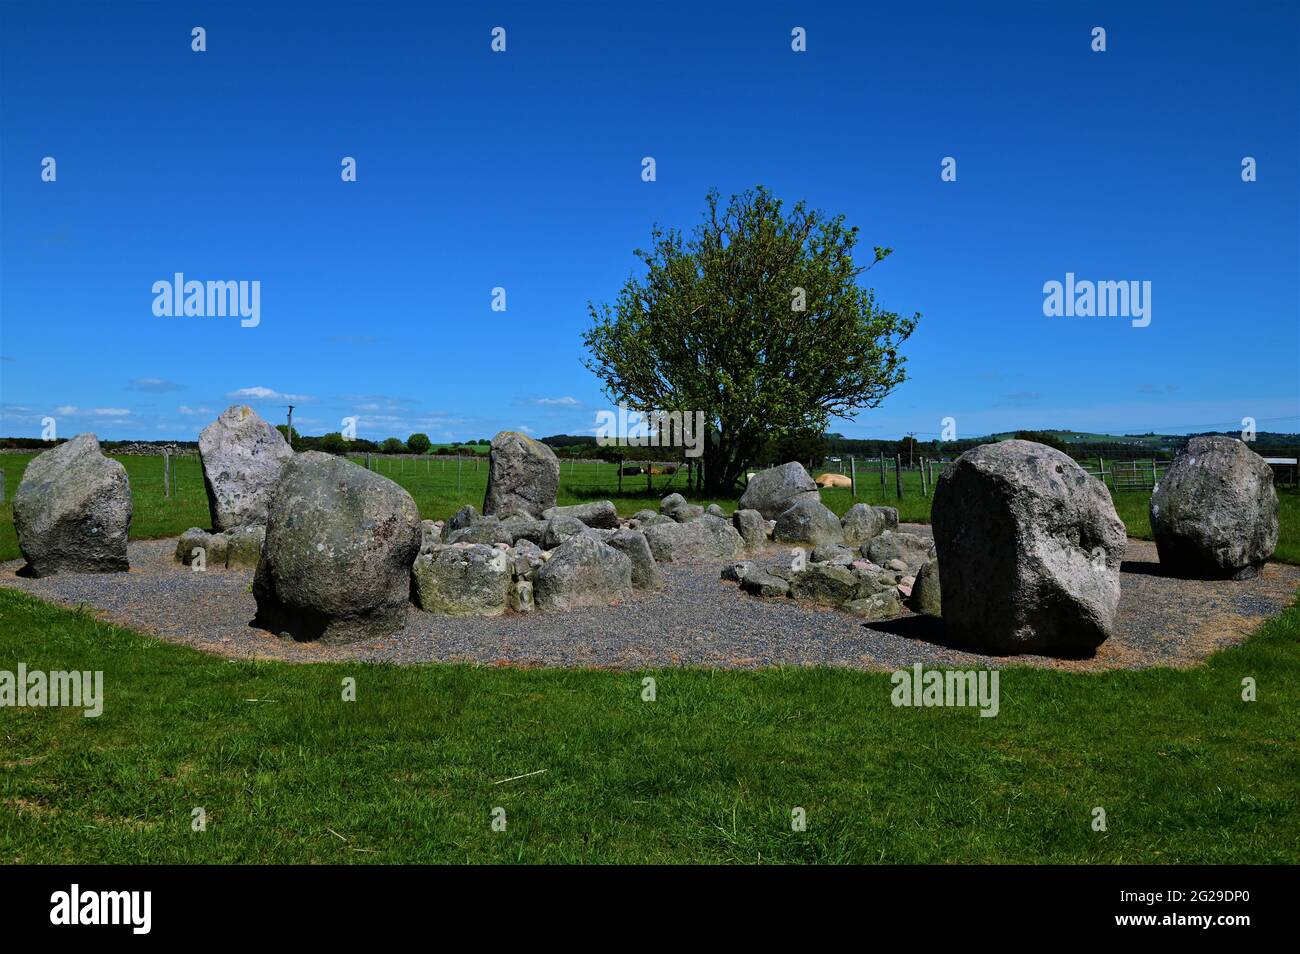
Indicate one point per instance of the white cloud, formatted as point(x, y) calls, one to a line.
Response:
point(153, 385)
point(556, 402)
point(186, 409)
point(260, 393)
point(67, 410)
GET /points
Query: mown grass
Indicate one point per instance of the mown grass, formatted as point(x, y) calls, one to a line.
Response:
point(708, 772)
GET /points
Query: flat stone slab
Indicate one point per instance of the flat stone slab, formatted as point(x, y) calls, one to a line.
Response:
point(698, 620)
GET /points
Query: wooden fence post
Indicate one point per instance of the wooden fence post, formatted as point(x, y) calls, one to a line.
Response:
point(898, 475)
point(167, 473)
point(853, 478)
point(882, 476)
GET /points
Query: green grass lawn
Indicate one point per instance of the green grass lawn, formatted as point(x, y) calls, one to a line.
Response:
point(710, 771)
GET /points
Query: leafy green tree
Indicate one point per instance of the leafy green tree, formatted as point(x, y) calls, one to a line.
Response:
point(803, 446)
point(392, 445)
point(1041, 437)
point(757, 320)
point(419, 443)
point(333, 443)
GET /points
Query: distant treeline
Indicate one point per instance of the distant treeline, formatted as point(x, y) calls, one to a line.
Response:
point(806, 448)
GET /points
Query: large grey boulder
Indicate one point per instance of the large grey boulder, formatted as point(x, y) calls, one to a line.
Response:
point(243, 457)
point(704, 540)
point(72, 510)
point(336, 563)
point(751, 526)
point(771, 492)
point(646, 574)
point(1030, 547)
point(523, 476)
point(861, 524)
point(809, 521)
point(582, 571)
point(466, 580)
point(1214, 514)
point(600, 515)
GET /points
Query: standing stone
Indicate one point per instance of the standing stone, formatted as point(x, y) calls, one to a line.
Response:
point(243, 457)
point(336, 563)
point(1030, 547)
point(523, 476)
point(72, 510)
point(772, 492)
point(1214, 513)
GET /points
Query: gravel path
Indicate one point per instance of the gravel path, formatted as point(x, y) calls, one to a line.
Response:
point(698, 621)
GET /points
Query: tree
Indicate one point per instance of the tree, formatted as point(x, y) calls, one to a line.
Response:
point(757, 320)
point(392, 445)
point(803, 446)
point(418, 443)
point(333, 443)
point(1041, 437)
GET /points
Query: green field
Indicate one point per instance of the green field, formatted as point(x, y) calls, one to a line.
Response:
point(710, 771)
point(440, 488)
point(413, 770)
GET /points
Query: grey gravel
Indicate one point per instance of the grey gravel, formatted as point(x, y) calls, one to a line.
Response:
point(698, 620)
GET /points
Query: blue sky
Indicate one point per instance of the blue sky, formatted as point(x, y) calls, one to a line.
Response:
point(522, 170)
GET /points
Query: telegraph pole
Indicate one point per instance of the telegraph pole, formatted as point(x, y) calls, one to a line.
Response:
point(290, 406)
